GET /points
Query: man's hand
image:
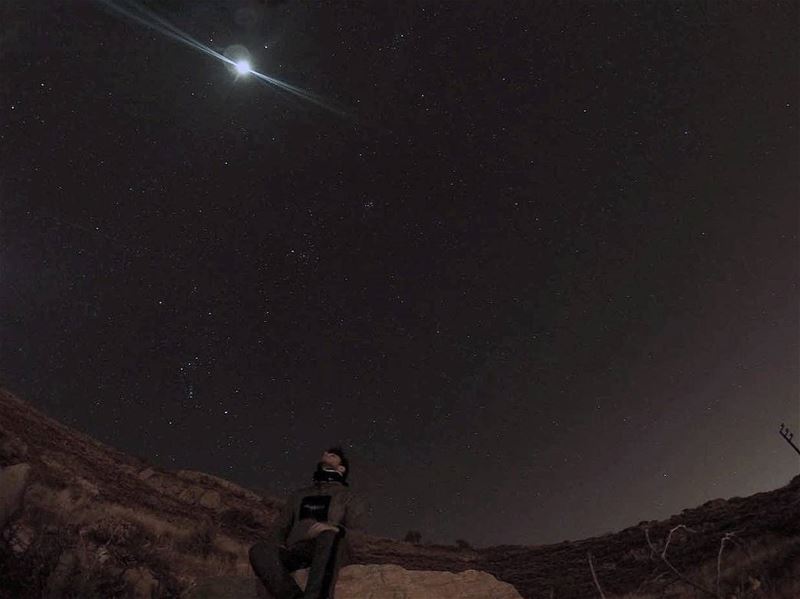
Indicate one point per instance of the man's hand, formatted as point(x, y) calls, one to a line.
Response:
point(319, 527)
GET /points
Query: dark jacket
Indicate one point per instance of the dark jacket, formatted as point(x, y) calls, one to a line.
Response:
point(324, 501)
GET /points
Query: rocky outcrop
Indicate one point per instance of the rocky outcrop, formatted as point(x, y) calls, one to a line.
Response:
point(96, 517)
point(373, 582)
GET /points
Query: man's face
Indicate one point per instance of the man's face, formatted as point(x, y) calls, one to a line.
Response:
point(331, 460)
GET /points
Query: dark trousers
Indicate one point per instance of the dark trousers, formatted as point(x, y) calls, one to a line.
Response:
point(325, 554)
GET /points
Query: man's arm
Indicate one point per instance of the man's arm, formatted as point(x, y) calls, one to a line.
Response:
point(355, 518)
point(283, 524)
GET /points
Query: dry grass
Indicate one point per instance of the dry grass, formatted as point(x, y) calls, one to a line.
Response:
point(105, 540)
point(755, 570)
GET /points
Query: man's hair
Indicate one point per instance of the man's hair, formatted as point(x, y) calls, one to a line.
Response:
point(345, 462)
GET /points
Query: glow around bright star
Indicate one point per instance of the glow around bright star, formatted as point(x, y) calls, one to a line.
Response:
point(143, 15)
point(242, 67)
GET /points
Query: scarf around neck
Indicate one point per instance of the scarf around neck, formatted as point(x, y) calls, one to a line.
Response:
point(323, 475)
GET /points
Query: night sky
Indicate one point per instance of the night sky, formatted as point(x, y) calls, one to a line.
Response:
point(534, 265)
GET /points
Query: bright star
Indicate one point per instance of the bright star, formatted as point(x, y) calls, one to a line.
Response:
point(144, 16)
point(242, 67)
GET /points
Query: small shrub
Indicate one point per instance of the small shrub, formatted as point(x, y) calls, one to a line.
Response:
point(413, 536)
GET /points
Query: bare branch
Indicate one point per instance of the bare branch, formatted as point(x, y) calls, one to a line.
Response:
point(594, 575)
point(673, 568)
point(669, 537)
point(731, 537)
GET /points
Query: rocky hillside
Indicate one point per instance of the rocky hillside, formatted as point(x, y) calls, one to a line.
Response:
point(90, 521)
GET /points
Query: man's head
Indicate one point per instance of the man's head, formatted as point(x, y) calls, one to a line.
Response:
point(334, 459)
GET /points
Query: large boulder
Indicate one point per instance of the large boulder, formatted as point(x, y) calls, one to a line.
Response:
point(13, 481)
point(373, 581)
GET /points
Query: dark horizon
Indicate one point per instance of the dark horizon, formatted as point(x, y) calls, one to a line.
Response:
point(540, 280)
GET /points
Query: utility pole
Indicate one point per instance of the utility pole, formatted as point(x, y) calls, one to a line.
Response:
point(787, 434)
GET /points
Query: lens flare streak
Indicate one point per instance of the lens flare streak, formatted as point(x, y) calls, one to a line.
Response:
point(148, 18)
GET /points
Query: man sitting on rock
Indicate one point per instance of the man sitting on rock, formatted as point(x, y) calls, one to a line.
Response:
point(315, 528)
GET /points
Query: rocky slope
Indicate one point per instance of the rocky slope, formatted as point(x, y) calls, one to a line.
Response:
point(92, 521)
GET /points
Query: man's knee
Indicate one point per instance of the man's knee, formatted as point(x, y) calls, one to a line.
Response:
point(331, 540)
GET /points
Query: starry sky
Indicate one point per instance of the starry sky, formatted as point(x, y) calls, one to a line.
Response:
point(534, 265)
